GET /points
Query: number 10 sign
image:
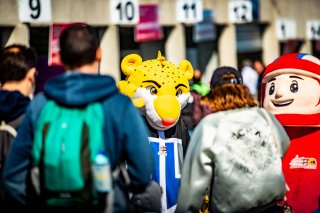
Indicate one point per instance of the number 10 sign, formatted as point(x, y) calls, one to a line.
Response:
point(124, 11)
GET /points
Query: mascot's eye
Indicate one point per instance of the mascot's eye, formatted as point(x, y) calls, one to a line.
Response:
point(271, 89)
point(294, 87)
point(153, 90)
point(179, 92)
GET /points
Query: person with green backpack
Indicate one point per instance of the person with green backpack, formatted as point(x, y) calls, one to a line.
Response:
point(77, 135)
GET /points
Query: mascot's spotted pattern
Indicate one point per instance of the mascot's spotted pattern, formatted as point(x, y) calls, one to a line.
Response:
point(160, 89)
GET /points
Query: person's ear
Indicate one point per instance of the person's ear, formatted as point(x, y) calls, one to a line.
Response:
point(59, 58)
point(31, 79)
point(31, 75)
point(98, 54)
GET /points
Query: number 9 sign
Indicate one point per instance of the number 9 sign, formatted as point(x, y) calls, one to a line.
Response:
point(124, 11)
point(34, 10)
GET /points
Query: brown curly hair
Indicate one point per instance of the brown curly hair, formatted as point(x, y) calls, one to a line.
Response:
point(229, 96)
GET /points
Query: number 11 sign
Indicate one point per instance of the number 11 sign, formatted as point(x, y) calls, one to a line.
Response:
point(189, 11)
point(124, 12)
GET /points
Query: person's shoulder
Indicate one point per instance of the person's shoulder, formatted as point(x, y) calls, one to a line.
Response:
point(233, 113)
point(213, 117)
point(40, 97)
point(37, 102)
point(117, 97)
point(247, 69)
point(117, 102)
point(244, 110)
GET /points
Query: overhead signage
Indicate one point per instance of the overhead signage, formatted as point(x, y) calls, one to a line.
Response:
point(189, 11)
point(313, 29)
point(148, 28)
point(240, 11)
point(54, 35)
point(124, 12)
point(205, 30)
point(286, 29)
point(34, 10)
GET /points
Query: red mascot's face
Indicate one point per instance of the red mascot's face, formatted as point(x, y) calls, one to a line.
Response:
point(292, 85)
point(292, 93)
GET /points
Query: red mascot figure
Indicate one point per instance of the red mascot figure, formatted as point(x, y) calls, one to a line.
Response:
point(291, 91)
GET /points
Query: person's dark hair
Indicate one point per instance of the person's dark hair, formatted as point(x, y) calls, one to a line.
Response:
point(78, 45)
point(15, 62)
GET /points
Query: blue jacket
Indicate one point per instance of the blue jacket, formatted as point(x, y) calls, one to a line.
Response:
point(12, 105)
point(125, 134)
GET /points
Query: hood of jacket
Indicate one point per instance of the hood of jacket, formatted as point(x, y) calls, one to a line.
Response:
point(12, 104)
point(76, 89)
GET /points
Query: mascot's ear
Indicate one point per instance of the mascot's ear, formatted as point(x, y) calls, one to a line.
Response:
point(187, 68)
point(129, 63)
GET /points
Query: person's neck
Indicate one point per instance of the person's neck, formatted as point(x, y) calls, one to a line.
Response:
point(88, 68)
point(22, 86)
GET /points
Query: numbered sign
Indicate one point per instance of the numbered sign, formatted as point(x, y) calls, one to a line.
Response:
point(313, 29)
point(240, 11)
point(124, 11)
point(286, 29)
point(189, 11)
point(34, 10)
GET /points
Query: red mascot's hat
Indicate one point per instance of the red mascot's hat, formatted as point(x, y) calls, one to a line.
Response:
point(299, 63)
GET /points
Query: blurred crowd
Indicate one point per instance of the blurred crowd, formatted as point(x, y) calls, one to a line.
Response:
point(233, 144)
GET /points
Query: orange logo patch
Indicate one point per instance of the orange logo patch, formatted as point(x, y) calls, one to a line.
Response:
point(303, 163)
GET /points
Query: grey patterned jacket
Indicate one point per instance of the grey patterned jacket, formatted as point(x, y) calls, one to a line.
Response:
point(237, 153)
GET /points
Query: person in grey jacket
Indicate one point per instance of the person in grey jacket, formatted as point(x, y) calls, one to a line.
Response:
point(234, 154)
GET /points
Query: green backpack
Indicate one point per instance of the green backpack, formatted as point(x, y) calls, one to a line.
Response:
point(65, 144)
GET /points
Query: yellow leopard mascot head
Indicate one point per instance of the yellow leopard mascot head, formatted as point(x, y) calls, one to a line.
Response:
point(159, 88)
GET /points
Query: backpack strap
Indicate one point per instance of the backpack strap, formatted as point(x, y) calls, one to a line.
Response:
point(11, 126)
point(6, 127)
